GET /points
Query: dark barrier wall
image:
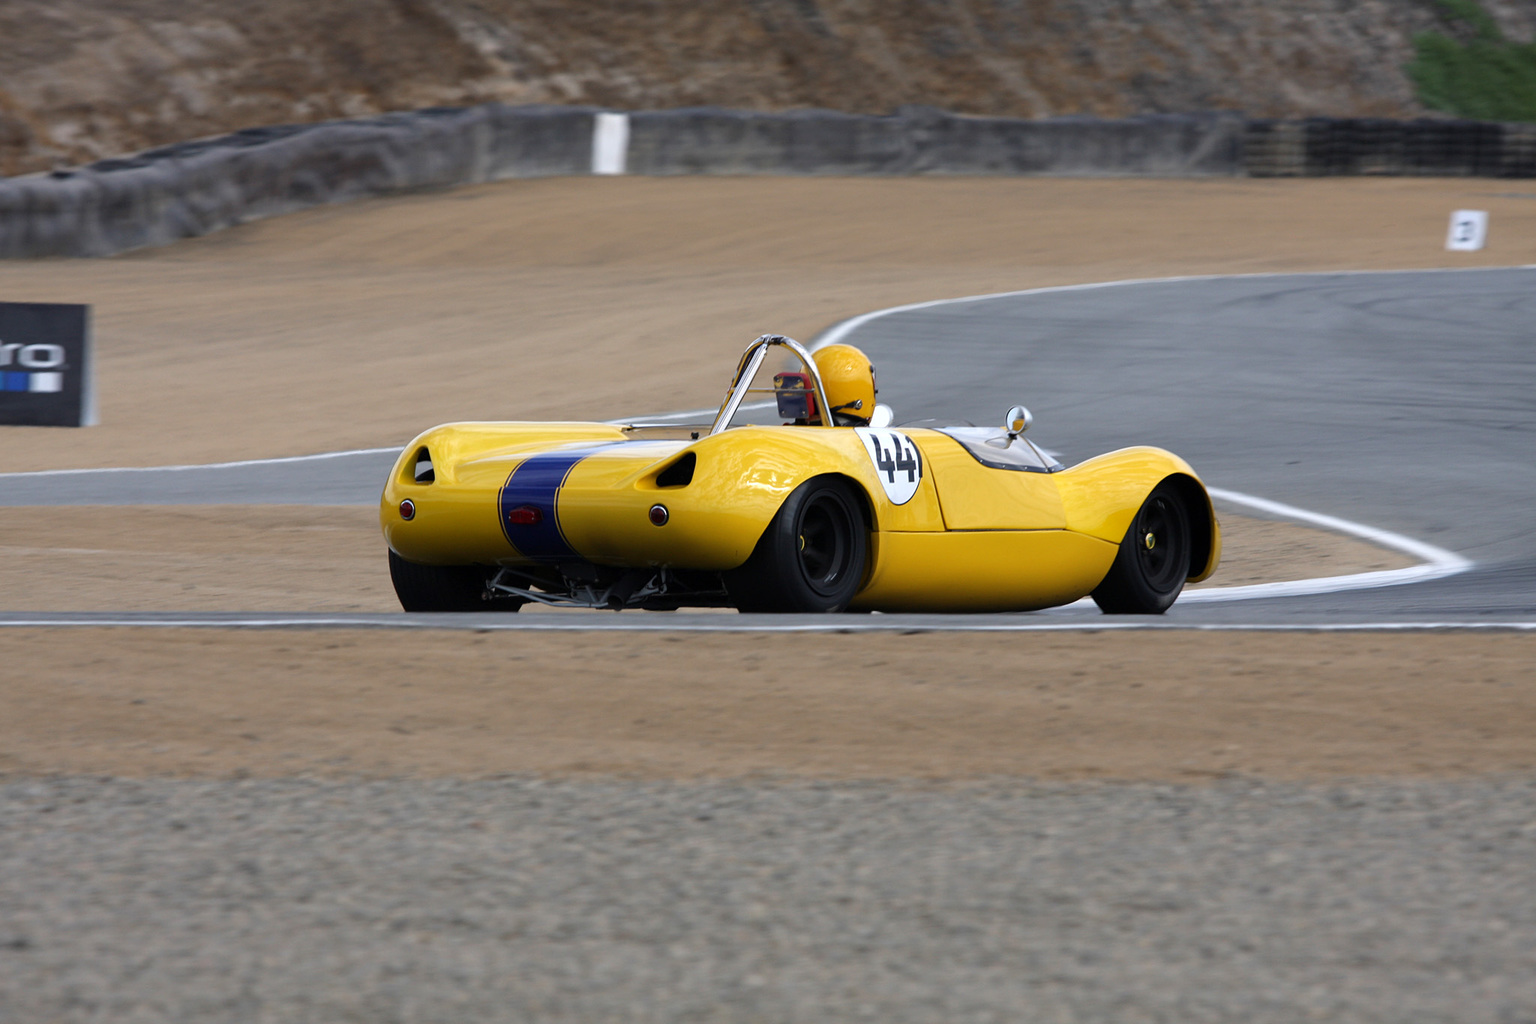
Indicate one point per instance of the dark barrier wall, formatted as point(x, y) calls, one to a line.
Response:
point(709, 140)
point(197, 187)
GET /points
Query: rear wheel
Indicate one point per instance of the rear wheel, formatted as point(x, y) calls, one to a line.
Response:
point(1153, 561)
point(441, 588)
point(812, 556)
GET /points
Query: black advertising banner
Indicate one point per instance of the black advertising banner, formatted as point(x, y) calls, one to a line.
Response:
point(45, 365)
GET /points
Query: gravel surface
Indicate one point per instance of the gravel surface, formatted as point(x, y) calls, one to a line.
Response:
point(528, 900)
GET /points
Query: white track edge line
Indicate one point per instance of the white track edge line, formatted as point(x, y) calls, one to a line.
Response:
point(278, 622)
point(838, 331)
point(1437, 563)
point(207, 465)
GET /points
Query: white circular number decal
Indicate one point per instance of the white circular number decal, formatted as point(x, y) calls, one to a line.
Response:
point(898, 463)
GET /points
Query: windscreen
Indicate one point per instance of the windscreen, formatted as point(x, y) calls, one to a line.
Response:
point(993, 447)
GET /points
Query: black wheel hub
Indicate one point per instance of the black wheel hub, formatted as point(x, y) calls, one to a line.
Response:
point(1162, 544)
point(825, 544)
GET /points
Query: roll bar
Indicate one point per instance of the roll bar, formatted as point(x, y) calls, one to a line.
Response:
point(746, 370)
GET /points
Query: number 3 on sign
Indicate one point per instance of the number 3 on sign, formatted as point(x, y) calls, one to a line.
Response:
point(898, 463)
point(1469, 230)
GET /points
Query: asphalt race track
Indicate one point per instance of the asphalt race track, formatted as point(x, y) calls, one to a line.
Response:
point(1402, 401)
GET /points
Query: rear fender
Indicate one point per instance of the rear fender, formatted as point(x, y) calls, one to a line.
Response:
point(1205, 531)
point(736, 484)
point(1102, 496)
point(454, 518)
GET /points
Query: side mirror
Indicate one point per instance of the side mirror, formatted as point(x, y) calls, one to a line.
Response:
point(882, 416)
point(1017, 421)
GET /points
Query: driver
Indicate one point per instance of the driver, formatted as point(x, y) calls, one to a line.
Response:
point(849, 378)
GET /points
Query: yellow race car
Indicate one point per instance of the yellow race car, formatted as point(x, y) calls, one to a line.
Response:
point(820, 505)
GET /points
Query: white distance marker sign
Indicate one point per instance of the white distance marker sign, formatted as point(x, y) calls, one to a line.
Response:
point(898, 463)
point(1469, 230)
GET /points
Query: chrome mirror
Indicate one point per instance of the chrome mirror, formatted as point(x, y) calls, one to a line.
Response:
point(1017, 421)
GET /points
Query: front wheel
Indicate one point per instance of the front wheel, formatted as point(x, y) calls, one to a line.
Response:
point(812, 556)
point(441, 588)
point(1153, 561)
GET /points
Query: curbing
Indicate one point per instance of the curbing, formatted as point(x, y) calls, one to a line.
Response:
point(198, 187)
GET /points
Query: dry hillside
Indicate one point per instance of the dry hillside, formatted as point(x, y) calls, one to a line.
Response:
point(80, 79)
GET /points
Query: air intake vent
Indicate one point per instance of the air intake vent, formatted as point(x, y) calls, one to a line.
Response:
point(679, 474)
point(423, 473)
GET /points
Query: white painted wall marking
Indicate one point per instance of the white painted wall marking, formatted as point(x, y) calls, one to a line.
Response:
point(610, 143)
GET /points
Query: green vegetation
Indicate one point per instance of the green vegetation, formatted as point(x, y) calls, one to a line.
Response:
point(1484, 76)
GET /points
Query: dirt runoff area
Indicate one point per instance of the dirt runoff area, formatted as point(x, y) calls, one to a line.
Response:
point(357, 326)
point(1108, 706)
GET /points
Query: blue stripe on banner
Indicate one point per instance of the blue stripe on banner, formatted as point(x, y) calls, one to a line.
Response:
point(537, 481)
point(17, 381)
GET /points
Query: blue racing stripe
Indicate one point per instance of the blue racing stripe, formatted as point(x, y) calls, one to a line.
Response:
point(536, 482)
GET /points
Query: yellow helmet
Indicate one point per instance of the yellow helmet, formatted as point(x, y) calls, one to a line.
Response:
point(849, 378)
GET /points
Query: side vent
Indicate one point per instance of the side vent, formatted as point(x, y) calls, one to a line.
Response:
point(679, 474)
point(423, 473)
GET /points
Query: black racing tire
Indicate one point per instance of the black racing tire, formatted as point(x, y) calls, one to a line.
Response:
point(442, 588)
point(1153, 561)
point(812, 556)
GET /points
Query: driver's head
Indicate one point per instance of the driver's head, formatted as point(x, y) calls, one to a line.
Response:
point(849, 378)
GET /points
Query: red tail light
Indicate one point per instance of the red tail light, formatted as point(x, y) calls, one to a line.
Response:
point(526, 515)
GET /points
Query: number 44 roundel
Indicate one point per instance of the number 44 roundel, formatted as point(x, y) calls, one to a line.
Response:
point(898, 463)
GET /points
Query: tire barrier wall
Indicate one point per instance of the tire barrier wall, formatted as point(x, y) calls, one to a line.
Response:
point(194, 188)
point(1332, 146)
